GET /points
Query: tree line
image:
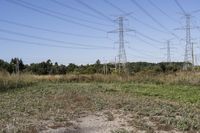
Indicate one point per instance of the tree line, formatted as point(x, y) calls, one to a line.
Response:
point(50, 68)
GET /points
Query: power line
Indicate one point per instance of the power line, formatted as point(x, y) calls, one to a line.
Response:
point(147, 13)
point(73, 8)
point(134, 18)
point(142, 57)
point(183, 10)
point(47, 39)
point(147, 37)
point(154, 19)
point(114, 6)
point(49, 30)
point(162, 11)
point(94, 10)
point(54, 16)
point(44, 44)
point(139, 51)
point(139, 33)
point(196, 11)
point(148, 43)
point(62, 14)
point(179, 5)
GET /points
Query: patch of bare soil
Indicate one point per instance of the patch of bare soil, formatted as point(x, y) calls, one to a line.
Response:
point(100, 122)
point(103, 122)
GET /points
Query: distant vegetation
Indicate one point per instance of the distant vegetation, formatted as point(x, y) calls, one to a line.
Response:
point(49, 68)
point(139, 72)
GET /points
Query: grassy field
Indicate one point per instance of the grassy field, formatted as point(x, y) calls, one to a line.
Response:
point(39, 103)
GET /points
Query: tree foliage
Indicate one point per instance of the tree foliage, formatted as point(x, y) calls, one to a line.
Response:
point(49, 68)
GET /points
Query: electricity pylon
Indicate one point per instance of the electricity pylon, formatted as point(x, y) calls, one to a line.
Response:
point(17, 67)
point(188, 47)
point(105, 68)
point(168, 49)
point(193, 54)
point(122, 58)
point(188, 56)
point(168, 52)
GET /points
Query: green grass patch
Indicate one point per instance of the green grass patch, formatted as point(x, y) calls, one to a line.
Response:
point(177, 93)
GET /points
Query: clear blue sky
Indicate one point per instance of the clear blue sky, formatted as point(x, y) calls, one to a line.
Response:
point(138, 48)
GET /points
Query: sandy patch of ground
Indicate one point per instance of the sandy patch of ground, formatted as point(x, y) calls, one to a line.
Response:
point(100, 122)
point(103, 122)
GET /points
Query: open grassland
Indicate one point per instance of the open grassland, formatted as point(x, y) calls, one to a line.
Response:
point(8, 81)
point(42, 106)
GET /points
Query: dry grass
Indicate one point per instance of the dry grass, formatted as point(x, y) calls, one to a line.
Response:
point(184, 78)
point(51, 105)
point(12, 81)
point(8, 81)
point(171, 78)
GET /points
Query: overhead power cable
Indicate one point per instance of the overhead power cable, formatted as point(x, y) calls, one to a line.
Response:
point(45, 44)
point(181, 8)
point(145, 36)
point(162, 11)
point(51, 40)
point(62, 14)
point(134, 18)
point(94, 10)
point(154, 19)
point(73, 8)
point(140, 50)
point(141, 57)
point(146, 42)
point(52, 15)
point(196, 11)
point(50, 30)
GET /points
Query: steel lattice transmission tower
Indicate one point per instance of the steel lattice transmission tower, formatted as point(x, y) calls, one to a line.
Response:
point(168, 52)
point(121, 57)
point(168, 49)
point(188, 47)
point(188, 56)
point(17, 66)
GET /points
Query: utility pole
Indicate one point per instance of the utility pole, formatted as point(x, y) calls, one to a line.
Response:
point(105, 68)
point(115, 64)
point(196, 59)
point(17, 67)
point(193, 54)
point(122, 58)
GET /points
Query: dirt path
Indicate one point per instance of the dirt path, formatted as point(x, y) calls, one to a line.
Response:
point(105, 122)
point(101, 122)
